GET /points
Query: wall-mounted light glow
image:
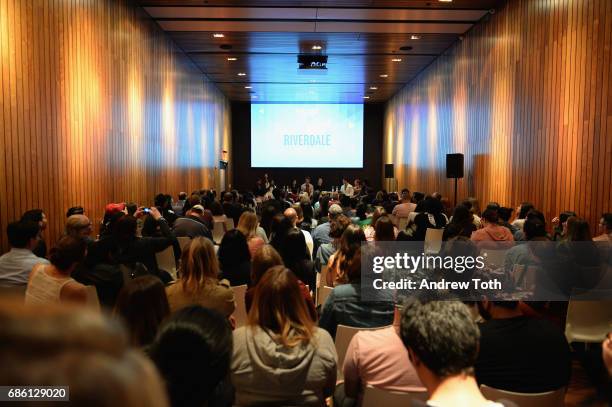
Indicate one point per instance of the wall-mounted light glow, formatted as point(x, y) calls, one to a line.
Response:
point(397, 60)
point(366, 97)
point(248, 87)
point(232, 59)
point(241, 74)
point(218, 35)
point(415, 37)
point(317, 47)
point(373, 88)
point(384, 75)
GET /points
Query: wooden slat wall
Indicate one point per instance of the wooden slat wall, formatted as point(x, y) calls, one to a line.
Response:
point(527, 97)
point(98, 106)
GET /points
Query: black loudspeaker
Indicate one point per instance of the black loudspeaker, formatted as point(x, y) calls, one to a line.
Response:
point(454, 165)
point(388, 170)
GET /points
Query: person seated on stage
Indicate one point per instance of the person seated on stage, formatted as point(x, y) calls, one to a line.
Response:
point(192, 225)
point(377, 358)
point(519, 353)
point(492, 235)
point(307, 187)
point(442, 343)
point(346, 188)
point(345, 305)
point(404, 207)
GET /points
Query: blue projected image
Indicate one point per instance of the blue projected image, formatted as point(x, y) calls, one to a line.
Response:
point(307, 135)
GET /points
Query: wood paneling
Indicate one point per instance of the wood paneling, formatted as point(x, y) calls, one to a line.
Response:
point(527, 97)
point(98, 106)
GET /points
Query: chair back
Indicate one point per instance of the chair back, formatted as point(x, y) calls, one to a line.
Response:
point(166, 261)
point(402, 223)
point(322, 295)
point(183, 240)
point(373, 396)
point(218, 231)
point(588, 320)
point(240, 313)
point(433, 240)
point(547, 399)
point(229, 224)
point(344, 334)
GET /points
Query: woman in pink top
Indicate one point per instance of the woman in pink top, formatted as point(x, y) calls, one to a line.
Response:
point(247, 225)
point(492, 235)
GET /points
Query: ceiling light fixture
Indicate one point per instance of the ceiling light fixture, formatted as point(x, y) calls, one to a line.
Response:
point(373, 88)
point(218, 35)
point(397, 60)
point(317, 47)
point(415, 37)
point(384, 75)
point(445, 1)
point(366, 97)
point(241, 74)
point(232, 59)
point(248, 87)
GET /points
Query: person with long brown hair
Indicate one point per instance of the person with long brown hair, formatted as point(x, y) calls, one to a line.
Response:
point(198, 281)
point(281, 357)
point(339, 261)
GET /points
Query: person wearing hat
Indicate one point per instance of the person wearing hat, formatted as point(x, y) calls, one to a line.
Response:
point(79, 226)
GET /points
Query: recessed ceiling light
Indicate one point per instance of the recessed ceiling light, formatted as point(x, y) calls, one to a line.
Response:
point(384, 75)
point(415, 37)
point(373, 87)
point(241, 74)
point(397, 60)
point(248, 87)
point(218, 35)
point(232, 59)
point(316, 47)
point(366, 97)
point(445, 1)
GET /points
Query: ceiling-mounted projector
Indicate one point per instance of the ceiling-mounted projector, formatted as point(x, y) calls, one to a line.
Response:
point(306, 61)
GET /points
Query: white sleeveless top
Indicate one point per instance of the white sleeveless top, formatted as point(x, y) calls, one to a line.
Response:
point(43, 288)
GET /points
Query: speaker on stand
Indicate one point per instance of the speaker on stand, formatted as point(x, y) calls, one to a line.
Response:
point(454, 169)
point(390, 181)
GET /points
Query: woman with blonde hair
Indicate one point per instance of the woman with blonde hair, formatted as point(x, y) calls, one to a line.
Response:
point(281, 357)
point(247, 225)
point(198, 281)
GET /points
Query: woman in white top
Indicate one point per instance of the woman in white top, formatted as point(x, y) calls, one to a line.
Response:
point(51, 283)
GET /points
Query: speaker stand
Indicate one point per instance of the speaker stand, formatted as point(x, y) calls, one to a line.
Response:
point(455, 205)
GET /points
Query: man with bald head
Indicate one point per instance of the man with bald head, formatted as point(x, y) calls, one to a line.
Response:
point(291, 214)
point(79, 226)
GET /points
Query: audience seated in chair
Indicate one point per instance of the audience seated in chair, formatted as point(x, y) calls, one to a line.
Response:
point(340, 261)
point(193, 224)
point(234, 258)
point(492, 235)
point(248, 225)
point(281, 357)
point(17, 264)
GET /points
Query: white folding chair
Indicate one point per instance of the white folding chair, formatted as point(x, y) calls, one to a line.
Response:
point(344, 334)
point(229, 224)
point(402, 223)
point(323, 294)
point(433, 240)
point(183, 241)
point(494, 258)
point(166, 261)
point(218, 231)
point(547, 399)
point(373, 396)
point(588, 320)
point(240, 313)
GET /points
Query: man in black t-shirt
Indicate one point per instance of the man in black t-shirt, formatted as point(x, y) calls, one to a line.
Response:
point(519, 353)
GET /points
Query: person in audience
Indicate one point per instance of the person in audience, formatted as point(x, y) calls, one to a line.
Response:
point(55, 345)
point(193, 224)
point(193, 351)
point(505, 214)
point(361, 212)
point(326, 250)
point(461, 224)
point(296, 257)
point(522, 210)
point(606, 351)
point(75, 210)
point(293, 217)
point(377, 358)
point(347, 189)
point(384, 231)
point(131, 208)
point(560, 225)
point(177, 207)
point(198, 281)
point(370, 230)
point(321, 233)
point(247, 225)
point(307, 187)
point(142, 306)
point(38, 216)
point(492, 235)
point(605, 228)
point(442, 343)
point(79, 226)
point(231, 209)
point(345, 305)
point(280, 357)
point(128, 249)
point(52, 283)
point(266, 258)
point(307, 221)
point(431, 217)
point(405, 206)
point(519, 353)
point(112, 212)
point(216, 209)
point(234, 258)
point(534, 229)
point(17, 264)
point(339, 262)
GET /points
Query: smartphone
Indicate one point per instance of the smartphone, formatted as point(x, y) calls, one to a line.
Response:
point(146, 210)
